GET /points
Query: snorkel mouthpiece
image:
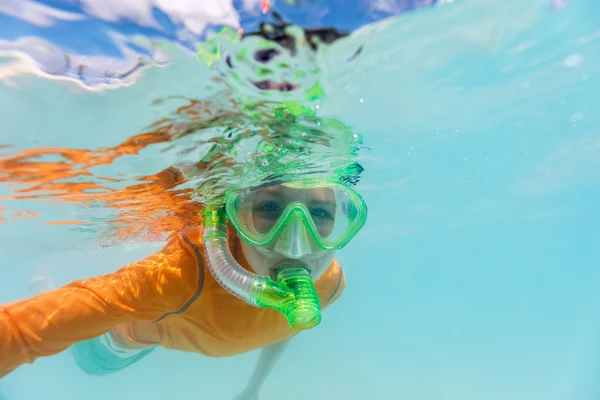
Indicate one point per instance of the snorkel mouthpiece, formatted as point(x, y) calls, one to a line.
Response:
point(304, 311)
point(293, 294)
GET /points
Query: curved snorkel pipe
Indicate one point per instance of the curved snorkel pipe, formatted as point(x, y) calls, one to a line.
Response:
point(293, 294)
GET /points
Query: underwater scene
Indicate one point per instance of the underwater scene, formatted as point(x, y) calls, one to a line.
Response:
point(291, 199)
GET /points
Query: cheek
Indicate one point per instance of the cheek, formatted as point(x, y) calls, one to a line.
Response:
point(257, 261)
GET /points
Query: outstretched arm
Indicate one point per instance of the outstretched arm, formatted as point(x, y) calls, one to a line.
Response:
point(266, 362)
point(50, 322)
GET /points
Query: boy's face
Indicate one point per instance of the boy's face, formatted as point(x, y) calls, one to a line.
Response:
point(294, 242)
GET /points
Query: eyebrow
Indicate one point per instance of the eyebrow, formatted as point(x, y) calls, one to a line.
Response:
point(287, 198)
point(324, 202)
point(268, 194)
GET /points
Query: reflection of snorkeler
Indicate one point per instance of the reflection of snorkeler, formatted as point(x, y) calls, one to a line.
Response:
point(283, 40)
point(187, 296)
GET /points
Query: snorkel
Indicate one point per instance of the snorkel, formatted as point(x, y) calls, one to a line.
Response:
point(293, 293)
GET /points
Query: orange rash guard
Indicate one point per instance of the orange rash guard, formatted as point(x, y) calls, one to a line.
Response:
point(169, 298)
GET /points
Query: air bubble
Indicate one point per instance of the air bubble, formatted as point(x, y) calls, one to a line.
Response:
point(576, 117)
point(573, 60)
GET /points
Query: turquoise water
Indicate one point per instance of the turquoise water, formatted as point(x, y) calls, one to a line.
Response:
point(476, 275)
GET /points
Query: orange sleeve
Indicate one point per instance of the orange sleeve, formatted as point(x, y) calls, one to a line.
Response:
point(50, 322)
point(340, 288)
point(335, 282)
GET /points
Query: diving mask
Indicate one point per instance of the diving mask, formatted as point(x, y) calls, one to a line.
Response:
point(283, 215)
point(329, 212)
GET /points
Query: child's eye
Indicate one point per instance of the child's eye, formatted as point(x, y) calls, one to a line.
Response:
point(269, 209)
point(321, 215)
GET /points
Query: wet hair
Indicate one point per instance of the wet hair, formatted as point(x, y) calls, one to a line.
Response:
point(351, 177)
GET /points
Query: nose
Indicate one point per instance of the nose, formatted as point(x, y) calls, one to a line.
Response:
point(293, 242)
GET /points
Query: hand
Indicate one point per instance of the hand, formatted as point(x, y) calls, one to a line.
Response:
point(247, 395)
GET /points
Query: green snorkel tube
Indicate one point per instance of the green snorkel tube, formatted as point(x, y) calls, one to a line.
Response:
point(293, 294)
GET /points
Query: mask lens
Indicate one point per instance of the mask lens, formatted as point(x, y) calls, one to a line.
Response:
point(332, 213)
